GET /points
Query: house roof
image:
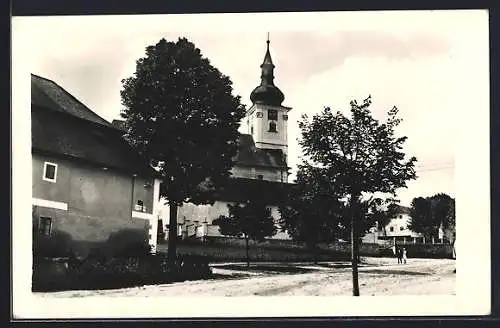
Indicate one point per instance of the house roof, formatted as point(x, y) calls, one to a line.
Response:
point(62, 126)
point(249, 155)
point(403, 209)
point(48, 94)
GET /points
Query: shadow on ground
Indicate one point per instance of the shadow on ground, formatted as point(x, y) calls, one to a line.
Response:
point(266, 268)
point(396, 272)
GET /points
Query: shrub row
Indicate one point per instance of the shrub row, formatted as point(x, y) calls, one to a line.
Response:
point(96, 272)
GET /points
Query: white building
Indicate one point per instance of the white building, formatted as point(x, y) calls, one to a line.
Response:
point(398, 230)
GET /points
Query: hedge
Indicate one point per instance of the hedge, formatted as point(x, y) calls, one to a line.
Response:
point(95, 272)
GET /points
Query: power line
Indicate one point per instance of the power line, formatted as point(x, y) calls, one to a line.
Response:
point(443, 168)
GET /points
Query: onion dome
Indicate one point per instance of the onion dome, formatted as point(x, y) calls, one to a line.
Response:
point(267, 93)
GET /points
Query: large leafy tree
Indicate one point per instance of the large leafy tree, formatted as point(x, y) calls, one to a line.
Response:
point(443, 210)
point(430, 213)
point(251, 220)
point(182, 116)
point(359, 155)
point(421, 217)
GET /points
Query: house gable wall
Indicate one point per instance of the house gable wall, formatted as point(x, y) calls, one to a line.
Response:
point(98, 205)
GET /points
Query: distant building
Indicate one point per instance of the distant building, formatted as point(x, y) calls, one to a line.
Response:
point(396, 231)
point(89, 188)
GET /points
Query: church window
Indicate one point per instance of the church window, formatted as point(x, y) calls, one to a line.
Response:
point(259, 115)
point(272, 114)
point(272, 127)
point(251, 130)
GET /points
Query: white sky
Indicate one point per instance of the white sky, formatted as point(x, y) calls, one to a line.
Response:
point(426, 63)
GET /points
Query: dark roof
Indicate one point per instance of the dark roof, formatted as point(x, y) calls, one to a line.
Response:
point(403, 209)
point(73, 131)
point(48, 94)
point(249, 155)
point(241, 189)
point(119, 124)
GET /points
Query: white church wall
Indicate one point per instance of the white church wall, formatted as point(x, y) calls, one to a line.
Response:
point(254, 172)
point(190, 213)
point(201, 213)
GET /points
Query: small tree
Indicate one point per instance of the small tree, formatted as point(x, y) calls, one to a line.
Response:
point(359, 155)
point(443, 210)
point(382, 211)
point(181, 115)
point(250, 220)
point(312, 211)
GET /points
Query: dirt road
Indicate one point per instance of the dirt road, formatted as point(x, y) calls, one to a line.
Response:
point(377, 277)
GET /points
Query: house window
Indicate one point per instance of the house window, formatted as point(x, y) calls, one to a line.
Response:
point(45, 226)
point(260, 177)
point(272, 115)
point(400, 216)
point(272, 127)
point(251, 130)
point(401, 228)
point(391, 229)
point(285, 117)
point(50, 172)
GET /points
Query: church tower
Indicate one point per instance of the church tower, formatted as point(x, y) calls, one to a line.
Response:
point(267, 119)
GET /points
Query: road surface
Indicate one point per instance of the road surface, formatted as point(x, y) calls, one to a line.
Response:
point(377, 277)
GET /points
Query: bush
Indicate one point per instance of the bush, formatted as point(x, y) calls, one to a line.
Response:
point(99, 272)
point(57, 245)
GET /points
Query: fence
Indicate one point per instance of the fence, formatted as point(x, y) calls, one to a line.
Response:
point(233, 249)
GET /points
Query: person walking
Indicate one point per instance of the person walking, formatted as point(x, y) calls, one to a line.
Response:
point(399, 255)
point(404, 255)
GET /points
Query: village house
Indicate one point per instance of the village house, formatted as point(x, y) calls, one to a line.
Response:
point(398, 229)
point(89, 188)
